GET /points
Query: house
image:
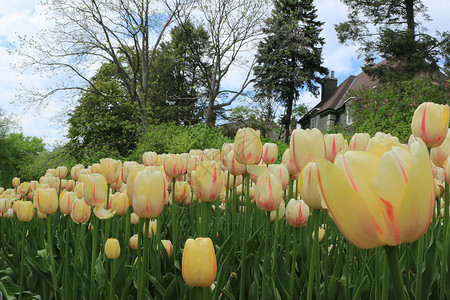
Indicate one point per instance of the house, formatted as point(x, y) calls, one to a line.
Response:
point(333, 106)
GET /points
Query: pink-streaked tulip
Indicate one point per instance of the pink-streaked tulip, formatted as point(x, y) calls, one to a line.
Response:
point(126, 167)
point(235, 167)
point(149, 192)
point(376, 200)
point(95, 188)
point(70, 185)
point(440, 153)
point(120, 203)
point(112, 248)
point(226, 148)
point(33, 185)
point(382, 143)
point(61, 172)
point(297, 213)
point(23, 189)
point(151, 229)
point(16, 182)
point(159, 160)
point(268, 192)
point(195, 152)
point(51, 172)
point(334, 143)
point(111, 169)
point(134, 219)
point(25, 211)
point(282, 173)
point(134, 242)
point(321, 233)
point(359, 141)
point(46, 200)
point(75, 171)
point(306, 146)
point(281, 211)
point(207, 181)
point(66, 202)
point(79, 189)
point(103, 213)
point(148, 158)
point(182, 191)
point(199, 265)
point(210, 155)
point(430, 123)
point(247, 146)
point(10, 213)
point(269, 153)
point(95, 168)
point(116, 185)
point(132, 173)
point(2, 189)
point(53, 182)
point(41, 215)
point(192, 163)
point(168, 246)
point(63, 184)
point(174, 165)
point(289, 163)
point(81, 212)
point(308, 186)
point(5, 204)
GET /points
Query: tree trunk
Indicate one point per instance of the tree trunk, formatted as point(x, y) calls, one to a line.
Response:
point(287, 124)
point(409, 5)
point(209, 117)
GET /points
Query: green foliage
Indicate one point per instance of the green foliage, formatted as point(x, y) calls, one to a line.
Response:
point(170, 138)
point(389, 107)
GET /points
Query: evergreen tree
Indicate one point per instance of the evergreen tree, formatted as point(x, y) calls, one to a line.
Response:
point(290, 56)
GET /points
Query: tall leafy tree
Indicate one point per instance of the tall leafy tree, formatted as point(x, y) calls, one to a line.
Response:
point(392, 30)
point(290, 56)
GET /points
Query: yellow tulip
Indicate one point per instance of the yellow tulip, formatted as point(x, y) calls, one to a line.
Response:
point(168, 246)
point(151, 229)
point(199, 265)
point(66, 202)
point(23, 188)
point(233, 166)
point(61, 172)
point(149, 192)
point(103, 213)
point(134, 242)
point(430, 123)
point(79, 189)
point(70, 185)
point(81, 212)
point(306, 146)
point(120, 203)
point(148, 158)
point(95, 188)
point(16, 182)
point(334, 143)
point(126, 167)
point(46, 200)
point(174, 165)
point(321, 233)
point(226, 148)
point(111, 169)
point(75, 171)
point(95, 168)
point(134, 219)
point(268, 192)
point(132, 173)
point(182, 191)
point(25, 211)
point(269, 153)
point(282, 173)
point(379, 200)
point(382, 143)
point(281, 212)
point(207, 180)
point(112, 248)
point(440, 153)
point(247, 146)
point(307, 186)
point(359, 141)
point(210, 155)
point(5, 204)
point(297, 213)
point(289, 163)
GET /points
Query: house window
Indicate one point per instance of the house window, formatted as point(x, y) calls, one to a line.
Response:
point(314, 122)
point(348, 117)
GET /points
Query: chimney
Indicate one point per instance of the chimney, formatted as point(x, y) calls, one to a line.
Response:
point(329, 86)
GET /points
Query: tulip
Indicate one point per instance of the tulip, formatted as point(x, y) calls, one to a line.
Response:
point(149, 192)
point(33, 185)
point(207, 181)
point(168, 246)
point(5, 204)
point(182, 191)
point(226, 148)
point(16, 182)
point(382, 143)
point(25, 211)
point(61, 172)
point(41, 215)
point(134, 219)
point(134, 242)
point(321, 233)
point(111, 169)
point(192, 163)
point(306, 146)
point(134, 170)
point(430, 123)
point(75, 171)
point(112, 248)
point(79, 189)
point(148, 158)
point(377, 200)
point(23, 188)
point(281, 212)
point(66, 202)
point(95, 168)
point(235, 167)
point(269, 153)
point(159, 160)
point(359, 141)
point(95, 188)
point(210, 155)
point(46, 200)
point(268, 192)
point(199, 265)
point(120, 203)
point(81, 212)
point(289, 163)
point(247, 146)
point(174, 165)
point(297, 213)
point(126, 167)
point(282, 173)
point(151, 229)
point(307, 186)
point(334, 143)
point(440, 153)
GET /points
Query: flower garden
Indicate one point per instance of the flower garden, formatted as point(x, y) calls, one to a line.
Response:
point(364, 219)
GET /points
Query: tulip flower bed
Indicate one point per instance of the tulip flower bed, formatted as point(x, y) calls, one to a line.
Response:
point(367, 219)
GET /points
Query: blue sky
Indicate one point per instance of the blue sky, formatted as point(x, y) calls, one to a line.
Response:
point(25, 17)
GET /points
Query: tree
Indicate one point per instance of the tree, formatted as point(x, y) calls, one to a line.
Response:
point(290, 56)
point(233, 27)
point(391, 30)
point(86, 33)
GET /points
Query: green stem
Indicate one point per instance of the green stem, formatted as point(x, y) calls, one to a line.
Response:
point(445, 255)
point(66, 259)
point(143, 266)
point(385, 286)
point(420, 245)
point(22, 258)
point(394, 265)
point(266, 279)
point(245, 237)
point(111, 281)
point(275, 245)
point(77, 260)
point(52, 258)
point(315, 250)
point(95, 225)
point(293, 263)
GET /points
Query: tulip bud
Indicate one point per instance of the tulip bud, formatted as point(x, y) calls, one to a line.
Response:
point(281, 211)
point(247, 146)
point(207, 181)
point(282, 173)
point(269, 153)
point(289, 163)
point(16, 182)
point(430, 123)
point(235, 167)
point(334, 143)
point(81, 212)
point(359, 141)
point(321, 233)
point(182, 191)
point(199, 265)
point(151, 229)
point(226, 148)
point(116, 185)
point(61, 172)
point(46, 200)
point(440, 153)
point(23, 188)
point(192, 163)
point(66, 202)
point(75, 171)
point(297, 213)
point(25, 211)
point(5, 204)
point(120, 203)
point(112, 248)
point(126, 167)
point(306, 146)
point(134, 242)
point(111, 169)
point(148, 158)
point(174, 165)
point(308, 186)
point(95, 188)
point(168, 246)
point(268, 192)
point(149, 192)
point(134, 219)
point(95, 168)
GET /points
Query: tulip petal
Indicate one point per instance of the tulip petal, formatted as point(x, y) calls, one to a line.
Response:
point(257, 170)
